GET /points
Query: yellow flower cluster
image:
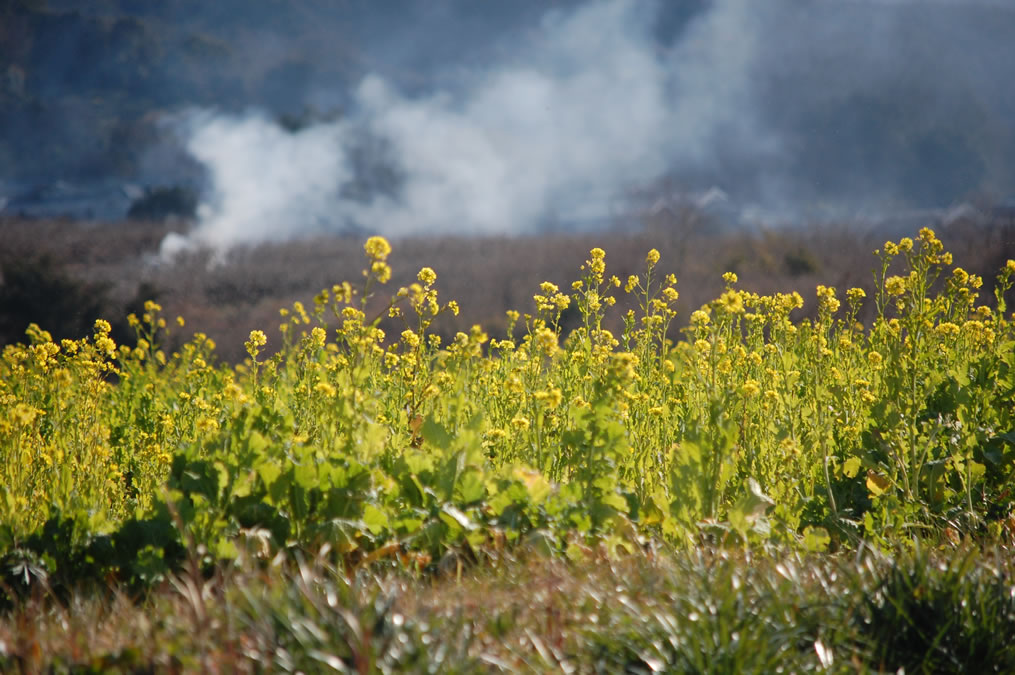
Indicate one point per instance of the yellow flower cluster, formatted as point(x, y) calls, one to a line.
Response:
point(749, 391)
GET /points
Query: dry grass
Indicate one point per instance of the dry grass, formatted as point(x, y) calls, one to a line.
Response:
point(694, 611)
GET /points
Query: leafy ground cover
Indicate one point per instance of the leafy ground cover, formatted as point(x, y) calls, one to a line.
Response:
point(757, 430)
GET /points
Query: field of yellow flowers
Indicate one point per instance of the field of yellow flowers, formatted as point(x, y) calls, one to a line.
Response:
point(747, 427)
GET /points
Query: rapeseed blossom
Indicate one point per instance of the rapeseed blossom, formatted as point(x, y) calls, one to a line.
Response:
point(377, 248)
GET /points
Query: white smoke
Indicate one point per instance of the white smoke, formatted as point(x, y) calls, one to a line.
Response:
point(767, 100)
point(581, 113)
point(265, 179)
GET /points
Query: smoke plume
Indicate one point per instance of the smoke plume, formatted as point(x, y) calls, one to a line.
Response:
point(802, 110)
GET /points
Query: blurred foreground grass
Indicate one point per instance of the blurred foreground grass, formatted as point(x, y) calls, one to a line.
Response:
point(707, 611)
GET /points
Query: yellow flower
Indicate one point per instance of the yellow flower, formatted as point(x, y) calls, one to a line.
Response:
point(377, 248)
point(24, 414)
point(381, 270)
point(750, 388)
point(545, 340)
point(548, 288)
point(427, 276)
point(410, 338)
point(324, 388)
point(552, 398)
point(699, 317)
point(105, 344)
point(947, 328)
point(520, 423)
point(597, 264)
point(478, 335)
point(732, 302)
point(652, 258)
point(827, 299)
point(256, 340)
point(206, 424)
point(875, 359)
point(895, 285)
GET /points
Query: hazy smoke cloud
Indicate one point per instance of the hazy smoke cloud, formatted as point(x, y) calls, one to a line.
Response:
point(799, 108)
point(579, 113)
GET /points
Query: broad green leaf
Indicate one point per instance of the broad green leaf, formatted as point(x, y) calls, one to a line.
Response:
point(616, 501)
point(256, 442)
point(375, 519)
point(436, 434)
point(305, 474)
point(470, 487)
point(269, 472)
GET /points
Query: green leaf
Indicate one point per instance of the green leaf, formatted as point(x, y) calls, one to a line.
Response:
point(470, 487)
point(408, 525)
point(436, 434)
point(375, 519)
point(686, 476)
point(256, 442)
point(851, 467)
point(616, 501)
point(269, 472)
point(749, 508)
point(305, 474)
point(279, 488)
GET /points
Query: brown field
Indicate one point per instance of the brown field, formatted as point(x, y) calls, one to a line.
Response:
point(76, 270)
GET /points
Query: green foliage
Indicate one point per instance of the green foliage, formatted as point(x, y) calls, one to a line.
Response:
point(757, 428)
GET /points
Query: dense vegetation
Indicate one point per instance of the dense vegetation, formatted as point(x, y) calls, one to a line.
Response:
point(758, 431)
